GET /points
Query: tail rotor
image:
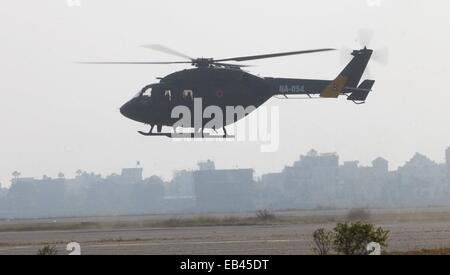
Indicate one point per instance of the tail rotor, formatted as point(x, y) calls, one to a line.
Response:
point(364, 39)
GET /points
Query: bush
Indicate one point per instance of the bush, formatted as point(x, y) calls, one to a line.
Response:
point(360, 215)
point(353, 238)
point(323, 241)
point(265, 215)
point(48, 250)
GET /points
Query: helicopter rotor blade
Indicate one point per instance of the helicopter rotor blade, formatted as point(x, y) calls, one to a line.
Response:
point(134, 63)
point(254, 57)
point(207, 62)
point(167, 50)
point(231, 65)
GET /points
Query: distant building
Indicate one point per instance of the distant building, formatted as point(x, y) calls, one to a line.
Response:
point(380, 165)
point(182, 185)
point(447, 163)
point(131, 175)
point(3, 205)
point(314, 159)
point(312, 180)
point(22, 180)
point(350, 166)
point(207, 165)
point(224, 190)
point(3, 191)
point(272, 192)
point(422, 179)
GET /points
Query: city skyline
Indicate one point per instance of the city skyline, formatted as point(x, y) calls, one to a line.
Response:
point(314, 181)
point(446, 158)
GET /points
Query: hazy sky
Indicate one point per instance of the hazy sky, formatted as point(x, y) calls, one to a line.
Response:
point(56, 116)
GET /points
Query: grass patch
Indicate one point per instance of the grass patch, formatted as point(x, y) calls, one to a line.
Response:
point(424, 252)
point(154, 223)
point(214, 221)
point(261, 217)
point(358, 215)
point(48, 251)
point(49, 226)
point(265, 215)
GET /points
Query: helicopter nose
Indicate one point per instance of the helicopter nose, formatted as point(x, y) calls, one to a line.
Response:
point(127, 110)
point(136, 109)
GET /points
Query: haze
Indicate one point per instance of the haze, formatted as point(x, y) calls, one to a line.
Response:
point(56, 116)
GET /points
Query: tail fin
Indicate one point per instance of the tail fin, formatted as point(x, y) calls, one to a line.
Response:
point(350, 76)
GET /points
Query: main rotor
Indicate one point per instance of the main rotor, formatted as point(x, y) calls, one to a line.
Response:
point(209, 62)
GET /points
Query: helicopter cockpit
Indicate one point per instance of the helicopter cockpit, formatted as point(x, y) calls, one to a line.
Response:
point(164, 92)
point(146, 91)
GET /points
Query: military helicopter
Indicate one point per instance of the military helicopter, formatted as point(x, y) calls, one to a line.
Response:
point(217, 82)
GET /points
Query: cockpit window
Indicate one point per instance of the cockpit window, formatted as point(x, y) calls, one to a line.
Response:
point(147, 92)
point(188, 94)
point(168, 94)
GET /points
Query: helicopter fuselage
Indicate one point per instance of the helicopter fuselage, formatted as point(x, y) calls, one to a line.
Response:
point(215, 86)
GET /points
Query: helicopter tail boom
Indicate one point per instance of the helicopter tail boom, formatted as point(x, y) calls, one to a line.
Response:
point(345, 83)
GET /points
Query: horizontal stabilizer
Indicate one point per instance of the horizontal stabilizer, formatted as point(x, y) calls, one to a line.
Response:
point(359, 96)
point(362, 92)
point(367, 85)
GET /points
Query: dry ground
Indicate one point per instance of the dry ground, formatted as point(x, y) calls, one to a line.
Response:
point(419, 231)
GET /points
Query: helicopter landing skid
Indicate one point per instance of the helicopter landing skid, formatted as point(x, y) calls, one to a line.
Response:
point(199, 135)
point(190, 136)
point(155, 134)
point(205, 136)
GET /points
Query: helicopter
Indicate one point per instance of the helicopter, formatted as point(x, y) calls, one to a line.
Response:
point(217, 82)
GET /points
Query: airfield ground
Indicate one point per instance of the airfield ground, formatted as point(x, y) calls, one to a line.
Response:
point(413, 231)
